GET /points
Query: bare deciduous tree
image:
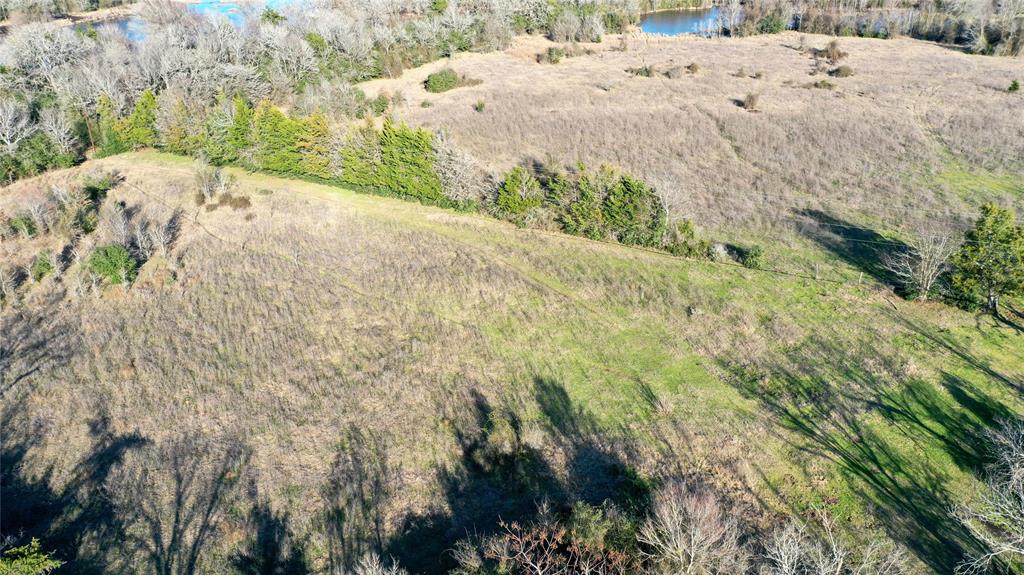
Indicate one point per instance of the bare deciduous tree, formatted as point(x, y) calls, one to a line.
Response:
point(15, 125)
point(920, 265)
point(793, 551)
point(996, 516)
point(59, 129)
point(689, 532)
point(372, 565)
point(40, 214)
point(7, 284)
point(462, 177)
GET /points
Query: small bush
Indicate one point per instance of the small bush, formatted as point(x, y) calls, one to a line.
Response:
point(479, 105)
point(643, 71)
point(822, 85)
point(693, 68)
point(98, 184)
point(42, 266)
point(426, 104)
point(1014, 86)
point(441, 81)
point(682, 240)
point(271, 16)
point(752, 258)
point(841, 72)
point(235, 202)
point(24, 225)
point(750, 103)
point(379, 105)
point(554, 55)
point(113, 263)
point(832, 53)
point(675, 72)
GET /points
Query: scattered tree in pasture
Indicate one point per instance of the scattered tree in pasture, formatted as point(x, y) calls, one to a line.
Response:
point(919, 265)
point(990, 263)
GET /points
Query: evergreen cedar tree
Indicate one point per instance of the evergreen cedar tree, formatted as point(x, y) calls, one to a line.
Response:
point(990, 263)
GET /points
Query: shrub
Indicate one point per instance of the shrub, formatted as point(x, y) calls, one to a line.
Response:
point(519, 193)
point(832, 53)
point(554, 55)
point(752, 257)
point(96, 185)
point(1014, 86)
point(441, 81)
point(379, 105)
point(271, 16)
point(693, 68)
point(113, 263)
point(643, 71)
point(841, 72)
point(822, 85)
point(24, 225)
point(479, 105)
point(675, 72)
point(751, 101)
point(42, 266)
point(681, 240)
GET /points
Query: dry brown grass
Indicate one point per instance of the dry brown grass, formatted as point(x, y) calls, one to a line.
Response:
point(353, 373)
point(277, 339)
point(871, 146)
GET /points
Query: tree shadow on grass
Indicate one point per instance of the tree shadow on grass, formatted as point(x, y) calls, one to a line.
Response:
point(501, 477)
point(362, 481)
point(34, 341)
point(822, 395)
point(272, 548)
point(860, 247)
point(174, 497)
point(79, 512)
point(942, 340)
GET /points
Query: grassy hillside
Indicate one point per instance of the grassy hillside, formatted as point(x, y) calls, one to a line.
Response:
point(320, 373)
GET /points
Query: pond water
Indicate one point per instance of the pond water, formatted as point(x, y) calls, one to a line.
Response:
point(676, 22)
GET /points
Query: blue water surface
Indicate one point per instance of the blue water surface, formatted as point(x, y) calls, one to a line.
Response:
point(676, 22)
